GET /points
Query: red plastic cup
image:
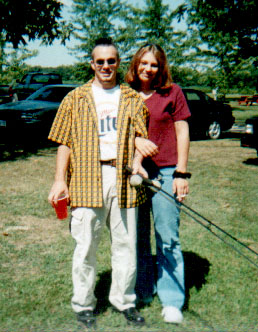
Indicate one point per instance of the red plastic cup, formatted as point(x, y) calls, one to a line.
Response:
point(61, 207)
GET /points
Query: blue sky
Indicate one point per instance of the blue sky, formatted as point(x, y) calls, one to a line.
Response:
point(57, 54)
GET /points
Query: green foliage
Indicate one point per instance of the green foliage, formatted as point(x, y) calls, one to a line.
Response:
point(186, 77)
point(242, 81)
point(93, 19)
point(234, 22)
point(12, 65)
point(215, 50)
point(26, 20)
point(228, 33)
point(82, 72)
point(31, 19)
point(129, 27)
point(154, 24)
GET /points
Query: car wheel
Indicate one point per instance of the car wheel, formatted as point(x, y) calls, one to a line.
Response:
point(214, 130)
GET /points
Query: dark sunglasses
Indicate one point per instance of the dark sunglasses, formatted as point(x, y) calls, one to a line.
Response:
point(109, 61)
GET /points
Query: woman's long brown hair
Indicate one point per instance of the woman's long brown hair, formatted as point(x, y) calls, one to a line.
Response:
point(163, 79)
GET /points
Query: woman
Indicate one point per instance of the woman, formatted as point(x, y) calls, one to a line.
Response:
point(169, 134)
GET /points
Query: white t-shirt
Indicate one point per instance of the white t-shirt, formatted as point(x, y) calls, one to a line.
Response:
point(107, 103)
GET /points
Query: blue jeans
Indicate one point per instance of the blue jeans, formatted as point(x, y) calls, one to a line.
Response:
point(170, 264)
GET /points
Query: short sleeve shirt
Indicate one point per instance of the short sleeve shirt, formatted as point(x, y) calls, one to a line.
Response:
point(165, 109)
point(76, 126)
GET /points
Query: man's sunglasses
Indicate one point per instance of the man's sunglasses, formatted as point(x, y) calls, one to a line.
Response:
point(109, 61)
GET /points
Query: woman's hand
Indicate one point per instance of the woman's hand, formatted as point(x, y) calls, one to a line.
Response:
point(146, 147)
point(180, 188)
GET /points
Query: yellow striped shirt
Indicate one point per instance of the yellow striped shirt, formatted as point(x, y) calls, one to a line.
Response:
point(76, 126)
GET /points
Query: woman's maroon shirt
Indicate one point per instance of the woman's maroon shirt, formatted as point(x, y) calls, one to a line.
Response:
point(166, 108)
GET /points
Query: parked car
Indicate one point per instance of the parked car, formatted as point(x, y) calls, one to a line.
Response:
point(209, 117)
point(30, 120)
point(250, 137)
point(7, 94)
point(31, 82)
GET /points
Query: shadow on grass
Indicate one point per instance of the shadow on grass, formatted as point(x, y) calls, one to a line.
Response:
point(224, 135)
point(196, 272)
point(102, 291)
point(251, 161)
point(17, 152)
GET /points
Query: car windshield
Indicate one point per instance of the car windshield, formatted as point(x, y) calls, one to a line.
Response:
point(54, 94)
point(45, 78)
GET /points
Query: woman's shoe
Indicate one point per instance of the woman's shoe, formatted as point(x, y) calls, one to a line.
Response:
point(172, 315)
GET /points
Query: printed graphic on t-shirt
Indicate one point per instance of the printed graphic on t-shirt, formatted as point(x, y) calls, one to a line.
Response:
point(107, 118)
point(107, 102)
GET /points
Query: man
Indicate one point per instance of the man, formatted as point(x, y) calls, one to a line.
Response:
point(96, 126)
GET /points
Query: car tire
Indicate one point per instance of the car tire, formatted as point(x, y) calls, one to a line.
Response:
point(214, 130)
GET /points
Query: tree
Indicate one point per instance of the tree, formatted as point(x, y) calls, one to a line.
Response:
point(12, 63)
point(235, 20)
point(154, 24)
point(93, 19)
point(129, 27)
point(228, 31)
point(31, 19)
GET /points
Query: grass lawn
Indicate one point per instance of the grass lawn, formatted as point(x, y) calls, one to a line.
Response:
point(36, 248)
point(241, 112)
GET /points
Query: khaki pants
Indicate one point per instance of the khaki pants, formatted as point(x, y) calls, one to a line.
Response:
point(86, 226)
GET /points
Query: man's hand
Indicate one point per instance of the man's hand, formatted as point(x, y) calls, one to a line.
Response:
point(146, 147)
point(59, 188)
point(180, 188)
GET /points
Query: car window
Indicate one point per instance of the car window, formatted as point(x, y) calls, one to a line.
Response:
point(209, 99)
point(44, 95)
point(192, 95)
point(44, 78)
point(55, 94)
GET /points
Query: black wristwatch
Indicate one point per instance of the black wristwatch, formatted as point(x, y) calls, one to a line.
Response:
point(181, 175)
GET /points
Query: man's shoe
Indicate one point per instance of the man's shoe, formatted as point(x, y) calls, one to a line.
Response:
point(133, 317)
point(87, 318)
point(141, 302)
point(172, 315)
point(147, 300)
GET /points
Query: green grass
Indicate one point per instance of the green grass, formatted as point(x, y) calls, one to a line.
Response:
point(36, 249)
point(241, 112)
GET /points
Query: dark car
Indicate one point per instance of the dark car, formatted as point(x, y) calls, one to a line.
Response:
point(7, 95)
point(209, 117)
point(32, 82)
point(30, 119)
point(250, 137)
